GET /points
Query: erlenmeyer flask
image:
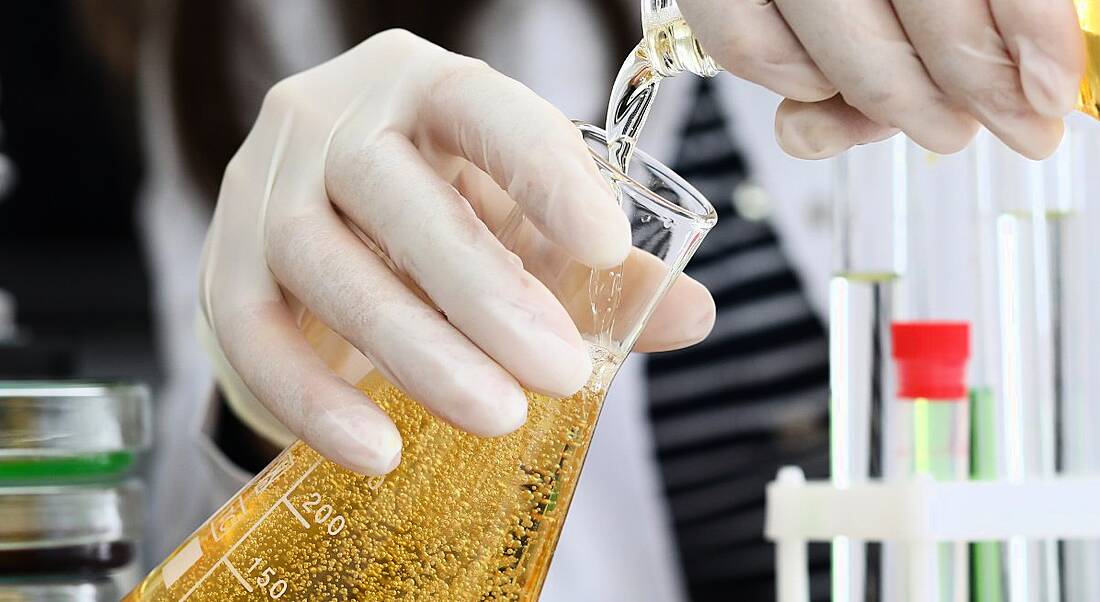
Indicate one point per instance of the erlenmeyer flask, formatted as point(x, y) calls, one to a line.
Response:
point(463, 517)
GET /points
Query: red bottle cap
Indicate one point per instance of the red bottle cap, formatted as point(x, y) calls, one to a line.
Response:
point(931, 358)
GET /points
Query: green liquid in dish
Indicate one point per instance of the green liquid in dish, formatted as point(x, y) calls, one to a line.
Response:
point(66, 467)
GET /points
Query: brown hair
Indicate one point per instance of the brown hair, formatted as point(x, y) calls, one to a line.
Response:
point(111, 31)
point(206, 103)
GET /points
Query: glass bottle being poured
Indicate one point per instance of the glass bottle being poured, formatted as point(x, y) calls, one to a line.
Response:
point(668, 48)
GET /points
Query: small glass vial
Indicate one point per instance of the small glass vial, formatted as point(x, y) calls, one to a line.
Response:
point(669, 44)
point(667, 48)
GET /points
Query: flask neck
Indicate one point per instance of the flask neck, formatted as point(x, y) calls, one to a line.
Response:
point(669, 44)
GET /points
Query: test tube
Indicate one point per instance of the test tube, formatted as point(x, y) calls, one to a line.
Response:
point(1031, 216)
point(942, 253)
point(933, 441)
point(869, 250)
point(1078, 449)
point(939, 287)
point(989, 559)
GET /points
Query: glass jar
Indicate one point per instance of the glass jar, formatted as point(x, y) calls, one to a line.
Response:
point(71, 430)
point(85, 531)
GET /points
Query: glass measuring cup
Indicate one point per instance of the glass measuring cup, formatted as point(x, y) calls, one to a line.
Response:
point(462, 517)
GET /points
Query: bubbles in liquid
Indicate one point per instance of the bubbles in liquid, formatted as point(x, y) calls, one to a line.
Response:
point(1088, 99)
point(462, 518)
point(605, 292)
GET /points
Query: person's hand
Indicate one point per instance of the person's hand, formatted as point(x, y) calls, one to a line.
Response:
point(371, 185)
point(856, 71)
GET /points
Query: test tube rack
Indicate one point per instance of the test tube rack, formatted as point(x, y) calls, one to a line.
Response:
point(919, 511)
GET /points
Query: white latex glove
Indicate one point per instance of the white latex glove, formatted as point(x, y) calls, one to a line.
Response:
point(373, 183)
point(933, 69)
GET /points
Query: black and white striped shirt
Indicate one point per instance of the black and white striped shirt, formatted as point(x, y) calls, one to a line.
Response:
point(752, 397)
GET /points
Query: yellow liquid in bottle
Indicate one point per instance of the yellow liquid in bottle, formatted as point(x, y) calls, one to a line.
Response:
point(672, 48)
point(1088, 12)
point(462, 518)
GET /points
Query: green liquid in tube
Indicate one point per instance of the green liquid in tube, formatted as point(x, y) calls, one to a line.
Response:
point(985, 556)
point(934, 456)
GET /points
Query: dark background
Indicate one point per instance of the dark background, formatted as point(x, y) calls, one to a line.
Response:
point(69, 252)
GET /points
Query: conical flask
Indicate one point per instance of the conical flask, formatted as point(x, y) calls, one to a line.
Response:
point(463, 517)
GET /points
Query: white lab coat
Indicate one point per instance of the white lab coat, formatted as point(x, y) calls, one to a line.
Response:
point(616, 544)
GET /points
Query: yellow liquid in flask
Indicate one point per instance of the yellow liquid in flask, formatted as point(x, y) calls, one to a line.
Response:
point(462, 518)
point(1088, 100)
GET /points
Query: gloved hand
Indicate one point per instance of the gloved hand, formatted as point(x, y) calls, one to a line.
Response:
point(372, 184)
point(855, 71)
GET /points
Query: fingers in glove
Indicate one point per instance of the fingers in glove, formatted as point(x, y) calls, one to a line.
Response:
point(961, 47)
point(751, 40)
point(683, 317)
point(266, 348)
point(433, 236)
point(533, 152)
point(860, 46)
point(316, 257)
point(816, 130)
point(1045, 40)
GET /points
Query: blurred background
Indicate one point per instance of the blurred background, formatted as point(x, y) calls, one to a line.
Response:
point(75, 282)
point(118, 117)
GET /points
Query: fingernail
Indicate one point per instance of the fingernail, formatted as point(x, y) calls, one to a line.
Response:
point(810, 138)
point(703, 324)
point(1049, 86)
point(597, 225)
point(514, 259)
point(511, 411)
point(484, 404)
point(564, 369)
point(615, 238)
point(578, 365)
point(695, 330)
point(585, 217)
point(360, 438)
point(557, 361)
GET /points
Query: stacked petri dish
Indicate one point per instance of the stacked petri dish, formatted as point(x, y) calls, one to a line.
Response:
point(70, 509)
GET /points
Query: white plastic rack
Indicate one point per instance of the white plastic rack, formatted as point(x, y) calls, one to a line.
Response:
point(919, 511)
